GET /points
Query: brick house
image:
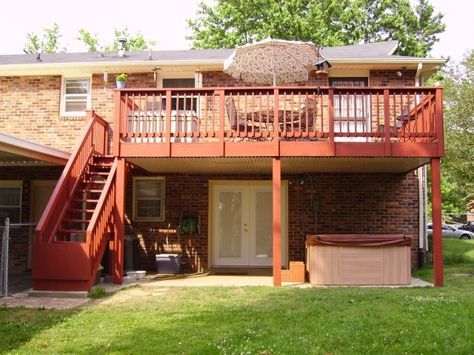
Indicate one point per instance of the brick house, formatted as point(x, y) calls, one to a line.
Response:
point(347, 156)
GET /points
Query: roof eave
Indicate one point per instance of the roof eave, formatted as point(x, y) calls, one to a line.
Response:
point(99, 65)
point(386, 60)
point(32, 150)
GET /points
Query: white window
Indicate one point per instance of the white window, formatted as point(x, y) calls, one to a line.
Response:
point(10, 201)
point(351, 110)
point(148, 198)
point(76, 96)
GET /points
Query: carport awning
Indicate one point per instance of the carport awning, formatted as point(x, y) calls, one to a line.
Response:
point(17, 151)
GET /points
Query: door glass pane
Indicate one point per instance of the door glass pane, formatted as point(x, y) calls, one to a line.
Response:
point(229, 224)
point(263, 227)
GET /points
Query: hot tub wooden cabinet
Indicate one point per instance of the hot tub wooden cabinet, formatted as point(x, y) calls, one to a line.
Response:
point(359, 259)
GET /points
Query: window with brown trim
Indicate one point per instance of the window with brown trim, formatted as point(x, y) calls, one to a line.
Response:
point(10, 201)
point(148, 198)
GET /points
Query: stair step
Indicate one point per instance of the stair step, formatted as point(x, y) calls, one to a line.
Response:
point(74, 220)
point(101, 165)
point(98, 173)
point(94, 191)
point(81, 210)
point(72, 231)
point(88, 200)
point(102, 182)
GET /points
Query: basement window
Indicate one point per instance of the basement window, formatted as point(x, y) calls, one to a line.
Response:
point(149, 199)
point(75, 96)
point(10, 201)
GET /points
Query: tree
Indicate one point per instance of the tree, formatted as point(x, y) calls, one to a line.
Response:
point(458, 163)
point(230, 23)
point(135, 42)
point(49, 42)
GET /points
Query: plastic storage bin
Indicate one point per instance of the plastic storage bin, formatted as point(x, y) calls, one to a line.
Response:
point(168, 263)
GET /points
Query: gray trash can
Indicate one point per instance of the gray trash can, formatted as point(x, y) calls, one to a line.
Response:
point(168, 263)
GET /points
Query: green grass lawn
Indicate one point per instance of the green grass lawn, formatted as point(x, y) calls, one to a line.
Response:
point(260, 320)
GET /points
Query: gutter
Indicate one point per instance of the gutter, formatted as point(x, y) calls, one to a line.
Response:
point(395, 60)
point(99, 66)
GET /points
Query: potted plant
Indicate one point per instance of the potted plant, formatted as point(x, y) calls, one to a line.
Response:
point(189, 224)
point(120, 79)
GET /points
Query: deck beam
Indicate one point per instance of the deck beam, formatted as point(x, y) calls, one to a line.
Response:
point(436, 215)
point(276, 195)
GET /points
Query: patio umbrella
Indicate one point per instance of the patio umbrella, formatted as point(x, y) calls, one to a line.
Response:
point(272, 61)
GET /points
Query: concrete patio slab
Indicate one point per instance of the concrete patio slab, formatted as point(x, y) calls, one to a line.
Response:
point(23, 300)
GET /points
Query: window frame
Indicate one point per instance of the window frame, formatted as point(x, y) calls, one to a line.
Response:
point(135, 199)
point(13, 184)
point(63, 95)
point(179, 103)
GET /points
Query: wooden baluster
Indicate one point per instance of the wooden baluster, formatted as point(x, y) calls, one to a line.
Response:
point(221, 94)
point(439, 127)
point(117, 123)
point(168, 122)
point(276, 134)
point(331, 121)
point(386, 103)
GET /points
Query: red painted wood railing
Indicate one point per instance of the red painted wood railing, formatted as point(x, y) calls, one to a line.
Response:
point(94, 140)
point(100, 224)
point(351, 114)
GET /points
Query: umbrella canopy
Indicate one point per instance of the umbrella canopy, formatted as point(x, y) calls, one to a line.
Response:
point(272, 61)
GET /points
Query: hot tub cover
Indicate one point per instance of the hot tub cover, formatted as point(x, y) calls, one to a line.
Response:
point(358, 240)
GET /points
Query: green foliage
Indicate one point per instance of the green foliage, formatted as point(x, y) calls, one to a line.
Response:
point(98, 292)
point(230, 23)
point(90, 40)
point(48, 43)
point(135, 42)
point(121, 77)
point(458, 163)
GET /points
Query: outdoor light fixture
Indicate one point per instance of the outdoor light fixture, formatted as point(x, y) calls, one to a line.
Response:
point(106, 79)
point(322, 64)
point(155, 73)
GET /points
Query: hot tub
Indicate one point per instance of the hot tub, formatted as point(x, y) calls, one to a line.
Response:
point(358, 259)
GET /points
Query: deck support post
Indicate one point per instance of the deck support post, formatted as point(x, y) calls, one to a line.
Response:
point(117, 250)
point(436, 215)
point(276, 195)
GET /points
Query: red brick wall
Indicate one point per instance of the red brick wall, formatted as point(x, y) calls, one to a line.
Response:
point(390, 78)
point(220, 79)
point(349, 203)
point(30, 107)
point(19, 236)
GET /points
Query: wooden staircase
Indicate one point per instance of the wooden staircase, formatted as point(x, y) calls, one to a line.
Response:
point(77, 224)
point(78, 215)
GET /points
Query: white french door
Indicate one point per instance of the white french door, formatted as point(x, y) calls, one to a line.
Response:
point(242, 224)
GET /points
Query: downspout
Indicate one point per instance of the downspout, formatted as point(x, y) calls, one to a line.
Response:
point(422, 195)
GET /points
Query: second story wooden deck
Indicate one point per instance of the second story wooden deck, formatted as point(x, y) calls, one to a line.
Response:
point(405, 122)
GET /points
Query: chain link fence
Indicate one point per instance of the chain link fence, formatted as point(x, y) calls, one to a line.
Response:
point(5, 229)
point(7, 234)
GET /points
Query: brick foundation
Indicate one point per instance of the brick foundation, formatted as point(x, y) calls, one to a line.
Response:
point(349, 203)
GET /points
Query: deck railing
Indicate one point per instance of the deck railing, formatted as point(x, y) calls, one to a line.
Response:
point(332, 114)
point(101, 221)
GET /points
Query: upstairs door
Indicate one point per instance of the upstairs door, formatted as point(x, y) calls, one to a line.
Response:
point(242, 224)
point(351, 111)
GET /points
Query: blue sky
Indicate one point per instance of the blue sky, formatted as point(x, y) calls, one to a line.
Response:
point(164, 21)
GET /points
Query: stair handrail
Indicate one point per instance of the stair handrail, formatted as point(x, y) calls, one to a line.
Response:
point(98, 228)
point(94, 140)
